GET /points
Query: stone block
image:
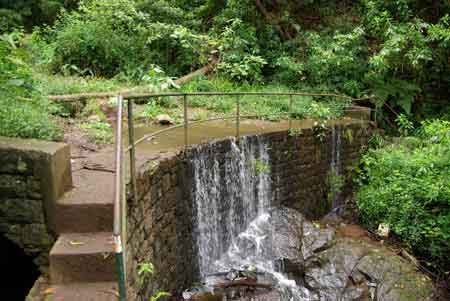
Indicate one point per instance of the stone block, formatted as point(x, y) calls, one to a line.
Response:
point(21, 211)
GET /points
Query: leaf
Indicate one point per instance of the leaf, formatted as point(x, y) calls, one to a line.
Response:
point(16, 82)
point(76, 243)
point(49, 291)
point(159, 295)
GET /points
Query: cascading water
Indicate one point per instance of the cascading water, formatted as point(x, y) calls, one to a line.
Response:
point(228, 195)
point(235, 225)
point(335, 162)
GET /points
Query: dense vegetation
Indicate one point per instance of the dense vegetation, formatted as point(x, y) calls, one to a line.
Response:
point(406, 186)
point(23, 111)
point(397, 51)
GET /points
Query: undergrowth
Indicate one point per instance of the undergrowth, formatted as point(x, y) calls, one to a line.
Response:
point(406, 186)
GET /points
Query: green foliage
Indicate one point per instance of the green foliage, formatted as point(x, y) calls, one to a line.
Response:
point(146, 269)
point(396, 51)
point(239, 59)
point(406, 186)
point(23, 111)
point(152, 109)
point(201, 115)
point(335, 183)
point(157, 81)
point(28, 13)
point(99, 132)
point(410, 61)
point(338, 61)
point(271, 108)
point(159, 295)
point(295, 132)
point(260, 167)
point(405, 126)
point(320, 130)
point(105, 38)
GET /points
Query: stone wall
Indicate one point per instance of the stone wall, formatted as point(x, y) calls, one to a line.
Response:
point(160, 227)
point(305, 166)
point(311, 169)
point(33, 174)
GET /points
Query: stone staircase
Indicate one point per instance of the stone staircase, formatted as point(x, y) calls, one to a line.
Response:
point(82, 264)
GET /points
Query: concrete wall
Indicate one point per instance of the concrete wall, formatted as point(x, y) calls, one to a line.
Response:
point(161, 220)
point(33, 174)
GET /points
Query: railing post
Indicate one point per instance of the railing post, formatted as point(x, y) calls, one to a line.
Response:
point(118, 205)
point(186, 121)
point(238, 117)
point(132, 150)
point(290, 111)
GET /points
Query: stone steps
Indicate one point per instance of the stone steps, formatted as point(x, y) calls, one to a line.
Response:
point(82, 257)
point(98, 291)
point(88, 207)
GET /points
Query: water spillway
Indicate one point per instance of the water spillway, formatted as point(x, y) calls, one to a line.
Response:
point(228, 195)
point(209, 208)
point(235, 226)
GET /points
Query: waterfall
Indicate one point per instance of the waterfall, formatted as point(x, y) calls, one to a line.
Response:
point(231, 189)
point(335, 161)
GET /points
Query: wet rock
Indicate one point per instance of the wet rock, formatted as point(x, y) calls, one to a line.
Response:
point(306, 261)
point(357, 270)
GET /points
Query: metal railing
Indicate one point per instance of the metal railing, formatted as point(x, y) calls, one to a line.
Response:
point(120, 211)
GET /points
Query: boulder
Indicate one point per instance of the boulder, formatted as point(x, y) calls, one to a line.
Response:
point(164, 119)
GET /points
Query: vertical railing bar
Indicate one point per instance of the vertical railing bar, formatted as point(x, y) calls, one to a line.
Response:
point(132, 150)
point(118, 213)
point(124, 220)
point(290, 111)
point(238, 117)
point(186, 121)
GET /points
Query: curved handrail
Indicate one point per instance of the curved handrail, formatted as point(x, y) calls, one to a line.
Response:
point(157, 133)
point(135, 95)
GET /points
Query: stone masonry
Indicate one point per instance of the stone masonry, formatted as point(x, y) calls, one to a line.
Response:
point(33, 174)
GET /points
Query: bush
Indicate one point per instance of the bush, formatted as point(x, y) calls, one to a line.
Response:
point(23, 111)
point(239, 53)
point(407, 187)
point(337, 61)
point(107, 38)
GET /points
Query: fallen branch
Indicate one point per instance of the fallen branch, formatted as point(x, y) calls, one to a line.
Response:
point(187, 78)
point(244, 282)
point(104, 95)
point(96, 167)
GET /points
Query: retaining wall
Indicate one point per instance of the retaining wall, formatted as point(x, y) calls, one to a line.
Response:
point(161, 219)
point(33, 174)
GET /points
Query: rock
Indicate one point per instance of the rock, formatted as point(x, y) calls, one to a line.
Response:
point(383, 230)
point(358, 270)
point(94, 119)
point(164, 119)
point(319, 264)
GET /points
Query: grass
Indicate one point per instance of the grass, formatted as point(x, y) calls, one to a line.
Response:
point(28, 119)
point(264, 107)
point(99, 132)
point(60, 85)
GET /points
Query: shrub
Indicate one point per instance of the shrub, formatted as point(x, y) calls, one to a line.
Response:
point(23, 111)
point(337, 61)
point(407, 187)
point(239, 53)
point(105, 38)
